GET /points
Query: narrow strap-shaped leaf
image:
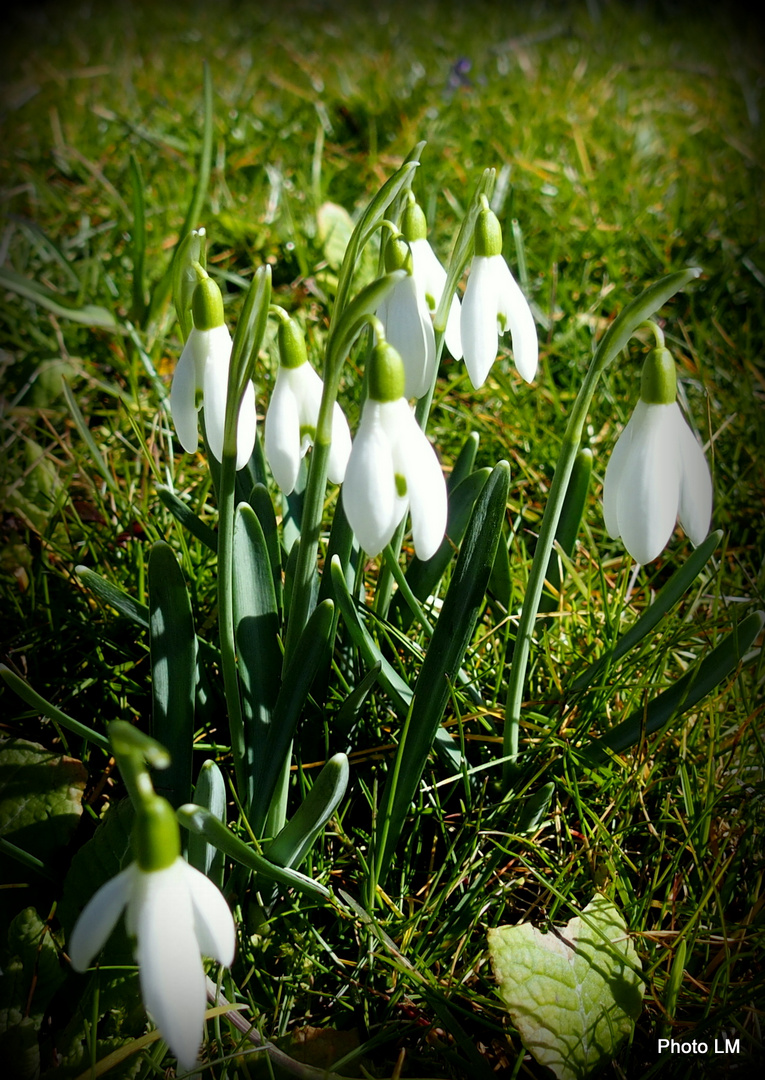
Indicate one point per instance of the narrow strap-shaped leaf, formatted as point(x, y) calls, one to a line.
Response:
point(200, 820)
point(186, 516)
point(173, 670)
point(535, 808)
point(683, 694)
point(568, 526)
point(310, 653)
point(205, 157)
point(400, 692)
point(465, 462)
point(297, 837)
point(261, 503)
point(114, 596)
point(453, 633)
point(256, 627)
point(664, 601)
point(351, 709)
point(44, 708)
point(210, 793)
point(423, 577)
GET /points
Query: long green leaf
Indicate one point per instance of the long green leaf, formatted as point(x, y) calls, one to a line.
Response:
point(87, 315)
point(210, 793)
point(186, 516)
point(114, 596)
point(683, 694)
point(261, 503)
point(256, 627)
point(664, 601)
point(453, 633)
point(44, 708)
point(311, 652)
point(200, 820)
point(138, 241)
point(568, 526)
point(300, 833)
point(173, 670)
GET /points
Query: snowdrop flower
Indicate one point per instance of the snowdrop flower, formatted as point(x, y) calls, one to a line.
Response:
point(392, 466)
point(493, 303)
point(657, 473)
point(406, 320)
point(201, 378)
point(293, 414)
point(429, 275)
point(174, 913)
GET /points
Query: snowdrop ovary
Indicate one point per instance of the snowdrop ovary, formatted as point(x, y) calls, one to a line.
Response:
point(657, 473)
point(293, 414)
point(201, 379)
point(392, 466)
point(175, 914)
point(493, 303)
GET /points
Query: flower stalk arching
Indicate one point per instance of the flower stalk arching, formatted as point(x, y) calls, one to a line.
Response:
point(615, 339)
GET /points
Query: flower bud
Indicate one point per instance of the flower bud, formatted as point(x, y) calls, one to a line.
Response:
point(207, 305)
point(658, 381)
point(292, 350)
point(385, 373)
point(413, 224)
point(156, 836)
point(488, 233)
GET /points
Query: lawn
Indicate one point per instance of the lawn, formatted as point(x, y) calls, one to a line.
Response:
point(627, 144)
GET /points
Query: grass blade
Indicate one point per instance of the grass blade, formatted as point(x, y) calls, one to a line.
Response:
point(183, 514)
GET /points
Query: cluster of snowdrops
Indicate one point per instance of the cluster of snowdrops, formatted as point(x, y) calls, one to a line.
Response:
point(656, 476)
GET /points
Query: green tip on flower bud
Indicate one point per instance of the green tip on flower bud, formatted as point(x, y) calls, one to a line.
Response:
point(385, 373)
point(292, 350)
point(658, 382)
point(207, 305)
point(397, 255)
point(413, 224)
point(488, 233)
point(156, 836)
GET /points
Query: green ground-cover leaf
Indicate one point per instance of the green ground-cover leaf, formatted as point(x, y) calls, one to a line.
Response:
point(575, 994)
point(40, 797)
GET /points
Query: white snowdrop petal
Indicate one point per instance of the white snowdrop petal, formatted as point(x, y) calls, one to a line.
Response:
point(246, 428)
point(409, 330)
point(99, 917)
point(282, 434)
point(695, 511)
point(428, 272)
point(183, 399)
point(171, 972)
point(340, 450)
point(478, 323)
point(613, 477)
point(369, 491)
point(213, 921)
point(649, 488)
point(514, 307)
point(452, 334)
point(216, 388)
point(426, 488)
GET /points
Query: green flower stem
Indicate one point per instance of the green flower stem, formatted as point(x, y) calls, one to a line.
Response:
point(132, 750)
point(616, 338)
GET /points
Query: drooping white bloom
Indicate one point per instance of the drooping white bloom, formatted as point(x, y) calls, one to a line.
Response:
point(201, 379)
point(291, 420)
point(393, 467)
point(408, 328)
point(175, 914)
point(493, 304)
point(429, 275)
point(657, 473)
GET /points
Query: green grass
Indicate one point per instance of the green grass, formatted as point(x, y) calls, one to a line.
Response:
point(628, 147)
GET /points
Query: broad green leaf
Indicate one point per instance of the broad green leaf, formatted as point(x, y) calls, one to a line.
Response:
point(297, 837)
point(452, 636)
point(573, 994)
point(256, 626)
point(173, 670)
point(40, 797)
point(197, 819)
point(210, 793)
